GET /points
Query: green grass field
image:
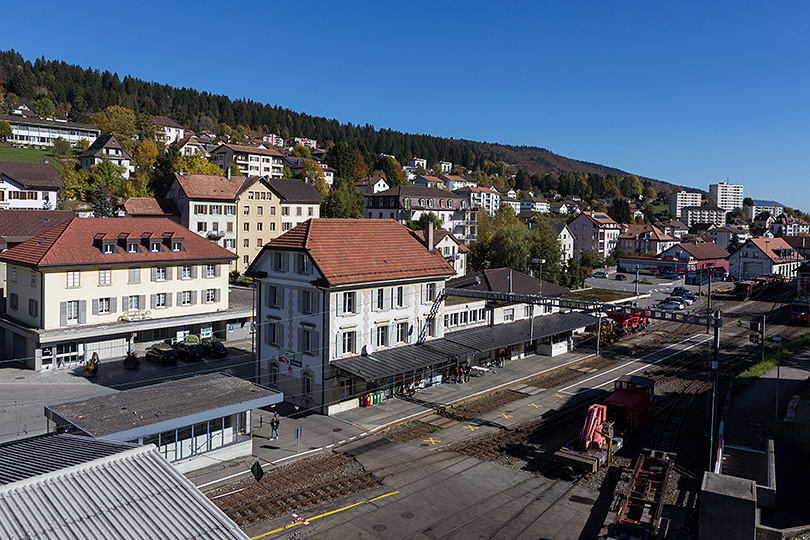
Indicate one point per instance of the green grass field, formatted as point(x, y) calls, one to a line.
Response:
point(10, 153)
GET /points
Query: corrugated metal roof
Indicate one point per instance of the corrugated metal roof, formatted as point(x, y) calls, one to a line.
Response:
point(390, 362)
point(133, 494)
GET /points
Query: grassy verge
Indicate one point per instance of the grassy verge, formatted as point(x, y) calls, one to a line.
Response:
point(747, 377)
point(30, 154)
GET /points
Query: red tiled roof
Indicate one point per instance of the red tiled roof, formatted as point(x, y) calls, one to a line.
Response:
point(72, 244)
point(768, 245)
point(349, 251)
point(19, 225)
point(634, 231)
point(150, 206)
point(702, 251)
point(209, 186)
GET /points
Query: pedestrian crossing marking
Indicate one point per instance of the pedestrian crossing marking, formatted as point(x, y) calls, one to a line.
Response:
point(535, 406)
point(505, 416)
point(431, 440)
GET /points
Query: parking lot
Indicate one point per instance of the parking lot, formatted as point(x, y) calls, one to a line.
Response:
point(25, 393)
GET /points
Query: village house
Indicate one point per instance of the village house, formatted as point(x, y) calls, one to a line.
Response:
point(251, 161)
point(29, 186)
point(644, 239)
point(594, 231)
point(37, 131)
point(715, 215)
point(763, 256)
point(167, 130)
point(96, 285)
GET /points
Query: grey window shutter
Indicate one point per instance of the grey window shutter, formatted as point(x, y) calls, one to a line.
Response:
point(216, 270)
point(168, 299)
point(300, 301)
point(113, 305)
point(194, 271)
point(179, 299)
point(422, 293)
point(218, 295)
point(316, 300)
point(266, 335)
point(142, 302)
point(300, 340)
point(386, 298)
point(297, 263)
point(280, 335)
point(392, 336)
point(168, 273)
point(268, 289)
point(62, 313)
point(286, 262)
point(95, 306)
point(125, 303)
point(82, 311)
point(193, 298)
point(316, 342)
point(339, 307)
point(152, 300)
point(154, 273)
point(358, 302)
point(280, 297)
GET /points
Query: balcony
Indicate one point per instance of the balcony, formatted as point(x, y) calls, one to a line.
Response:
point(215, 235)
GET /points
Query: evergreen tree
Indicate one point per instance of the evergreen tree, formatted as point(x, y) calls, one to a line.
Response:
point(102, 201)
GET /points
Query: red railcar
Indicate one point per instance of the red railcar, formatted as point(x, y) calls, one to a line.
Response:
point(630, 323)
point(800, 309)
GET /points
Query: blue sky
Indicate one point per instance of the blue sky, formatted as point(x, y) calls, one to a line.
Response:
point(687, 92)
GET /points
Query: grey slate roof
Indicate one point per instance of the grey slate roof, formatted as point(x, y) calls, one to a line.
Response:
point(104, 490)
point(497, 280)
point(34, 121)
point(138, 409)
point(456, 345)
point(107, 141)
point(295, 191)
point(32, 175)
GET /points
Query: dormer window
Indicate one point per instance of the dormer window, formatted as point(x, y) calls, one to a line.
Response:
point(155, 247)
point(430, 203)
point(109, 248)
point(132, 247)
point(177, 245)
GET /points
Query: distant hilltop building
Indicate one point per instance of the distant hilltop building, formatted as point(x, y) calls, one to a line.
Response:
point(681, 199)
point(751, 212)
point(726, 196)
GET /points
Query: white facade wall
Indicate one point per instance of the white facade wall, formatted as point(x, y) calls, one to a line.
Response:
point(16, 197)
point(680, 199)
point(302, 328)
point(566, 239)
point(726, 196)
point(46, 135)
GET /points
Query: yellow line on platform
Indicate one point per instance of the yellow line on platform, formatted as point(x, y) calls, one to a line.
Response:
point(323, 515)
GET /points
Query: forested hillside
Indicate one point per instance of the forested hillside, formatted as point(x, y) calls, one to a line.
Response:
point(76, 92)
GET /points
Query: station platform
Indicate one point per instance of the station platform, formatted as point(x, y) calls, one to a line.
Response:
point(322, 433)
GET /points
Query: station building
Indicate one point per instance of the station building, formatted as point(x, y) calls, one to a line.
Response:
point(193, 422)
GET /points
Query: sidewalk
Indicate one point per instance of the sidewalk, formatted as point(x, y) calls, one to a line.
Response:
point(756, 404)
point(322, 433)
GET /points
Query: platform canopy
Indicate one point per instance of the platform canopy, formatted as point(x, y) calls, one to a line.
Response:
point(457, 345)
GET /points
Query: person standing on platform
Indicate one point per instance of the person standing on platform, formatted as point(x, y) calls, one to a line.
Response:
point(467, 371)
point(274, 427)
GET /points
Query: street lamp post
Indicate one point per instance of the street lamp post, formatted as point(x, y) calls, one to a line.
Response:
point(778, 342)
point(540, 293)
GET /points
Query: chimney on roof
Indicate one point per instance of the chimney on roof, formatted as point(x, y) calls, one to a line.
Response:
point(429, 235)
point(228, 173)
point(46, 160)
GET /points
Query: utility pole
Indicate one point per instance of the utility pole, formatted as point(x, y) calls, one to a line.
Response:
point(598, 332)
point(715, 372)
point(636, 280)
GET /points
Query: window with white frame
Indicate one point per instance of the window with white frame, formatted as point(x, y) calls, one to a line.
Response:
point(307, 340)
point(134, 275)
point(210, 270)
point(272, 330)
point(246, 211)
point(33, 307)
point(398, 296)
point(134, 303)
point(230, 243)
point(286, 226)
point(246, 227)
point(349, 302)
point(109, 249)
point(509, 315)
point(105, 277)
point(160, 300)
point(132, 247)
point(382, 336)
point(155, 247)
point(185, 272)
point(348, 340)
point(185, 298)
point(308, 301)
point(104, 306)
point(72, 311)
point(210, 296)
point(306, 380)
point(402, 332)
point(380, 299)
point(274, 296)
point(303, 263)
point(160, 273)
point(74, 279)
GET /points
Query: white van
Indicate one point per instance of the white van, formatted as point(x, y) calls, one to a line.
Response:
point(601, 274)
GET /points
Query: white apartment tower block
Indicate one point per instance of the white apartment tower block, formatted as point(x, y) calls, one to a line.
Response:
point(726, 196)
point(679, 199)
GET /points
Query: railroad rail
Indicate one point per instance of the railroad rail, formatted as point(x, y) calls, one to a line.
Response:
point(640, 514)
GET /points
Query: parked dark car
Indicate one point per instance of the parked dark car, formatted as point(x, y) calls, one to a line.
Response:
point(162, 354)
point(684, 294)
point(670, 275)
point(621, 277)
point(683, 289)
point(188, 351)
point(214, 349)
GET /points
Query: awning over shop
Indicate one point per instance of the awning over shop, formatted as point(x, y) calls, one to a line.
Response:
point(389, 362)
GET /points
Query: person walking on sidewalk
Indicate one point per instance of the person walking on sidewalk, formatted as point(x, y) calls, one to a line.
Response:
point(467, 371)
point(274, 427)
